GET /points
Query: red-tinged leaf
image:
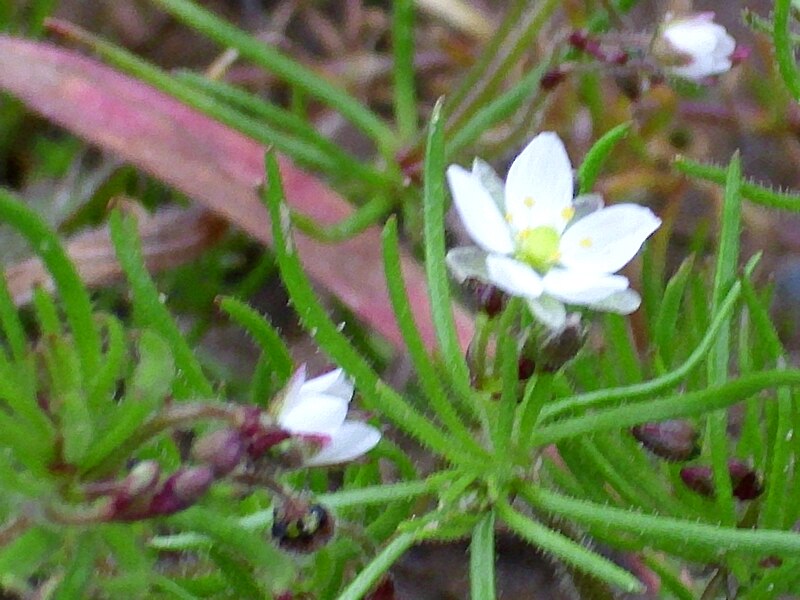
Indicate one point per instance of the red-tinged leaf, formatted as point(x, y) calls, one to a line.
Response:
point(211, 163)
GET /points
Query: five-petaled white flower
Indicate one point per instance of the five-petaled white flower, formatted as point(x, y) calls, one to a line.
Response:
point(695, 47)
point(539, 243)
point(315, 410)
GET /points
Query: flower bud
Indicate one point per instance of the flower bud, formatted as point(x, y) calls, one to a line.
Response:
point(525, 368)
point(182, 489)
point(674, 440)
point(699, 479)
point(138, 487)
point(300, 527)
point(489, 299)
point(222, 450)
point(552, 78)
point(555, 348)
point(744, 480)
point(746, 485)
point(581, 40)
point(383, 591)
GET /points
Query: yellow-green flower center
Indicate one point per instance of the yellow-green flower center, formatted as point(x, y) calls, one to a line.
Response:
point(538, 247)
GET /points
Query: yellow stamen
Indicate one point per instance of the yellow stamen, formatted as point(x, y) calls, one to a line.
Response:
point(568, 213)
point(529, 202)
point(538, 247)
point(586, 242)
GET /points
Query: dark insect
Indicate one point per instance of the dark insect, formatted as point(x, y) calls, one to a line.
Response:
point(302, 528)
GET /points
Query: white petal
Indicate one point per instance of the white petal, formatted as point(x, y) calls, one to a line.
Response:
point(539, 185)
point(607, 240)
point(468, 262)
point(291, 395)
point(707, 46)
point(317, 413)
point(549, 312)
point(623, 303)
point(481, 217)
point(334, 383)
point(350, 441)
point(693, 38)
point(490, 181)
point(576, 287)
point(514, 277)
point(584, 205)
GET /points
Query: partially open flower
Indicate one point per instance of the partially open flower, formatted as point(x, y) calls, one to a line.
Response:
point(315, 410)
point(695, 47)
point(537, 242)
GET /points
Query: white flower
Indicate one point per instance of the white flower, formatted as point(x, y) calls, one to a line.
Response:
point(538, 243)
point(695, 47)
point(316, 410)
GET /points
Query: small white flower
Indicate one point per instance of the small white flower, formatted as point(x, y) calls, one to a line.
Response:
point(695, 47)
point(539, 243)
point(316, 410)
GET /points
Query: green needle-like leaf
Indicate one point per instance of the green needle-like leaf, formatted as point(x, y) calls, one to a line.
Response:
point(434, 390)
point(314, 318)
point(77, 304)
point(719, 354)
point(784, 49)
point(371, 574)
point(481, 560)
point(151, 309)
point(435, 266)
point(405, 102)
point(567, 550)
point(290, 70)
point(597, 155)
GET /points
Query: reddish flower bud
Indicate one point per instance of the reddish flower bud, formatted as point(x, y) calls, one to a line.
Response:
point(264, 440)
point(554, 349)
point(578, 39)
point(525, 368)
point(674, 440)
point(740, 54)
point(182, 489)
point(619, 58)
point(746, 485)
point(383, 591)
point(552, 78)
point(256, 437)
point(222, 450)
point(489, 299)
point(138, 487)
point(699, 479)
point(744, 480)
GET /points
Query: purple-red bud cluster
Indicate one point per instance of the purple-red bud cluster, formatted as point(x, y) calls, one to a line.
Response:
point(744, 480)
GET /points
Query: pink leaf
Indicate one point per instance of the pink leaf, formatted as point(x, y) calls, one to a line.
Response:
point(213, 164)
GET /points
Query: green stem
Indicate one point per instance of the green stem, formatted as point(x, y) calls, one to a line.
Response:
point(405, 100)
point(719, 354)
point(784, 50)
point(684, 405)
point(652, 387)
point(284, 67)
